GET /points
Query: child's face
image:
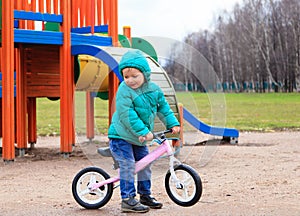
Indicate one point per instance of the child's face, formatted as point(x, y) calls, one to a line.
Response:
point(133, 77)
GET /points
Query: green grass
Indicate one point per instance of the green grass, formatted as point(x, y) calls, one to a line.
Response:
point(48, 115)
point(244, 111)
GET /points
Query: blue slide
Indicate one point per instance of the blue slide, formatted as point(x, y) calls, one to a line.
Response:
point(218, 131)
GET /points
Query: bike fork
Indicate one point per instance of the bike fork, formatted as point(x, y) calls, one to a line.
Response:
point(174, 160)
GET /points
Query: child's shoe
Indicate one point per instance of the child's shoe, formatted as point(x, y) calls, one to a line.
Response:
point(133, 205)
point(150, 201)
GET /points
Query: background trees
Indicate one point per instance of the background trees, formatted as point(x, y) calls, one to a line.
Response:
point(253, 48)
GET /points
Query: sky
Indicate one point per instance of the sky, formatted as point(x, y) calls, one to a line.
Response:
point(169, 18)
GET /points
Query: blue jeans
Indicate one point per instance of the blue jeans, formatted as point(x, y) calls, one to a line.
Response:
point(127, 154)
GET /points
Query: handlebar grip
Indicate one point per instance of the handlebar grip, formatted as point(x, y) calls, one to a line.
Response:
point(168, 131)
point(158, 134)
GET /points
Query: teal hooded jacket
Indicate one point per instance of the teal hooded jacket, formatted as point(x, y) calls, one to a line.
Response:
point(136, 109)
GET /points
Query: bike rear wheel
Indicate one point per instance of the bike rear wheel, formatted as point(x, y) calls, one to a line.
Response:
point(87, 198)
point(189, 191)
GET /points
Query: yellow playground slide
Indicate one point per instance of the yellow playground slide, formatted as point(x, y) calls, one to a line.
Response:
point(93, 75)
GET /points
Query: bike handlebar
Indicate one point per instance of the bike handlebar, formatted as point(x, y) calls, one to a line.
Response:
point(161, 134)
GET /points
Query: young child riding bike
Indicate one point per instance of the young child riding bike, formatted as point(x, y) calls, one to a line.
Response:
point(138, 102)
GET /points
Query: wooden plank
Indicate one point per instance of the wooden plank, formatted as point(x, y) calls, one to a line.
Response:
point(38, 37)
point(37, 16)
point(43, 76)
point(42, 70)
point(88, 29)
point(90, 39)
point(42, 83)
point(43, 91)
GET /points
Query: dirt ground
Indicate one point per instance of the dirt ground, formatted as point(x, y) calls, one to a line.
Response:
point(258, 176)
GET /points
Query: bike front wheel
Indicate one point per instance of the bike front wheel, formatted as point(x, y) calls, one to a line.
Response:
point(84, 196)
point(189, 189)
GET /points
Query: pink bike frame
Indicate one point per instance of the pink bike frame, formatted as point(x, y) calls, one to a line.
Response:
point(141, 164)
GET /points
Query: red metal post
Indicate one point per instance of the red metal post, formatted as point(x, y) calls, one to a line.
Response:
point(72, 115)
point(32, 133)
point(99, 12)
point(83, 13)
point(21, 100)
point(90, 122)
point(75, 8)
point(88, 12)
point(92, 16)
point(48, 6)
point(106, 11)
point(177, 142)
point(113, 32)
point(7, 68)
point(66, 84)
point(55, 5)
point(127, 32)
point(41, 6)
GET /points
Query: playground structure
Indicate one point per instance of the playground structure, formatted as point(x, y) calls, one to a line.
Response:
point(43, 64)
point(40, 62)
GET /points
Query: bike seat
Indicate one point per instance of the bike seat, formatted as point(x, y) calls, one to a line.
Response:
point(104, 151)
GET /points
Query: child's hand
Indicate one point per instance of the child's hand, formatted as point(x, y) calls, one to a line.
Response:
point(141, 139)
point(148, 137)
point(175, 129)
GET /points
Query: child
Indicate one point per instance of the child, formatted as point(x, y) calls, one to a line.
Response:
point(138, 101)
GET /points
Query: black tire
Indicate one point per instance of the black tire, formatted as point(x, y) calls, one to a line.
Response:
point(91, 199)
point(191, 186)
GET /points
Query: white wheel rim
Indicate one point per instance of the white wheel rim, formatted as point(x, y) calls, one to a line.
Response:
point(188, 191)
point(87, 195)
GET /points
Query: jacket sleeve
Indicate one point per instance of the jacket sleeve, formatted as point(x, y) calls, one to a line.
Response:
point(164, 112)
point(127, 114)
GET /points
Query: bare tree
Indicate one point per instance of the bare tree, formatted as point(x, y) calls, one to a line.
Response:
point(256, 46)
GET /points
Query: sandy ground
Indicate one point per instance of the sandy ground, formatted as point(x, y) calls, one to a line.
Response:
point(258, 176)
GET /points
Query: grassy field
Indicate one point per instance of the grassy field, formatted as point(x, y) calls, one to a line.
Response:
point(48, 115)
point(245, 111)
